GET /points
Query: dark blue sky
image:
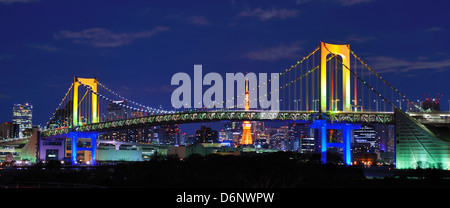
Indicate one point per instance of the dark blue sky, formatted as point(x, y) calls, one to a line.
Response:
point(135, 47)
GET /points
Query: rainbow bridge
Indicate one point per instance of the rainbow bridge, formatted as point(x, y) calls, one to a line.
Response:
point(330, 88)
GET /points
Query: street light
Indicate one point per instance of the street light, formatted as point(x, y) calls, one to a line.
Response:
point(400, 101)
point(356, 106)
point(315, 104)
point(297, 103)
point(334, 104)
point(376, 101)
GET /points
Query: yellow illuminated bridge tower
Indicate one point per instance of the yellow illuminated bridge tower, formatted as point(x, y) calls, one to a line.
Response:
point(92, 83)
point(321, 124)
point(344, 52)
point(92, 136)
point(246, 126)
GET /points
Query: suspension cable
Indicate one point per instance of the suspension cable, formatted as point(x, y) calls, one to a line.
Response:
point(359, 78)
point(130, 101)
point(265, 83)
point(126, 106)
point(298, 78)
point(387, 83)
point(62, 101)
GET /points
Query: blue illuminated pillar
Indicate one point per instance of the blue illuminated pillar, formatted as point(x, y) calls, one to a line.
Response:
point(347, 131)
point(93, 138)
point(323, 143)
point(74, 137)
point(321, 125)
point(92, 149)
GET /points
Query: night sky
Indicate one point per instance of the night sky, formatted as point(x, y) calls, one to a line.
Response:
point(134, 47)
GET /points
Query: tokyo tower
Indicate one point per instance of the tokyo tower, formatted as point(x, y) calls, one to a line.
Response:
point(246, 126)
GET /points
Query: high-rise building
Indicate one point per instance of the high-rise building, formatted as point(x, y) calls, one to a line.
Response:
point(9, 130)
point(170, 133)
point(232, 132)
point(257, 127)
point(304, 135)
point(431, 104)
point(115, 111)
point(307, 144)
point(292, 145)
point(234, 126)
point(367, 134)
point(277, 136)
point(22, 115)
point(385, 134)
point(225, 136)
point(206, 135)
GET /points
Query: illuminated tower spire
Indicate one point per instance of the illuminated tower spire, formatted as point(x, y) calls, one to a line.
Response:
point(246, 126)
point(246, 95)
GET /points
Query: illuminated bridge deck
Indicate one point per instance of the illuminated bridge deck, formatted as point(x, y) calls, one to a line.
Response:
point(211, 116)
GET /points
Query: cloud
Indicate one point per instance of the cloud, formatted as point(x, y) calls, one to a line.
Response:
point(17, 1)
point(160, 89)
point(195, 20)
point(100, 37)
point(359, 39)
point(384, 64)
point(5, 57)
point(352, 2)
point(51, 85)
point(275, 53)
point(265, 15)
point(45, 47)
point(342, 2)
point(198, 20)
point(302, 1)
point(432, 29)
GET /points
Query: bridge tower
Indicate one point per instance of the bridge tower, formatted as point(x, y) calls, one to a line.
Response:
point(92, 83)
point(344, 52)
point(246, 126)
point(322, 125)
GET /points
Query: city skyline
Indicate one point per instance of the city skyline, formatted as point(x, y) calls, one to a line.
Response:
point(136, 48)
point(249, 95)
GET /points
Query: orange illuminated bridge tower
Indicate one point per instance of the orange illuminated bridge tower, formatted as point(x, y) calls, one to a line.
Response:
point(246, 126)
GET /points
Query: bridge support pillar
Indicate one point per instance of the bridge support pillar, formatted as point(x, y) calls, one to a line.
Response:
point(93, 145)
point(322, 126)
point(347, 137)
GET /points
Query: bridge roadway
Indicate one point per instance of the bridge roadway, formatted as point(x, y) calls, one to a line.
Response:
point(439, 117)
point(252, 115)
point(234, 115)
